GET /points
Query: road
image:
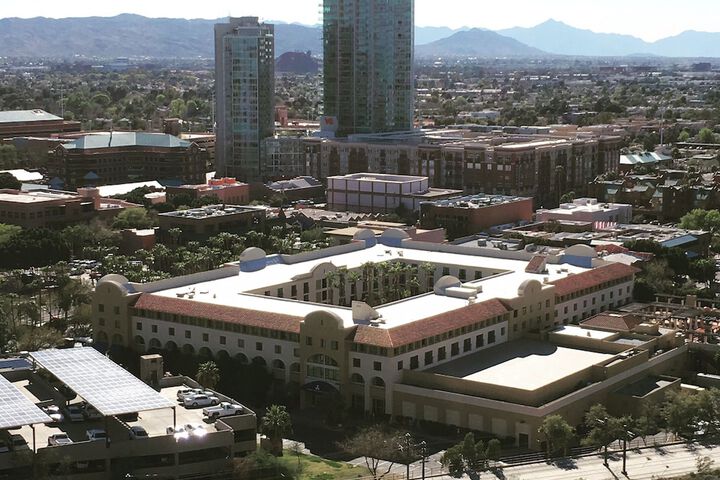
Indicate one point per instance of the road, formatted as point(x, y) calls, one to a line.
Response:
point(645, 464)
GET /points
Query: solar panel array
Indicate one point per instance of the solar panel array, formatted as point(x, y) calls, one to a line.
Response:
point(16, 410)
point(102, 383)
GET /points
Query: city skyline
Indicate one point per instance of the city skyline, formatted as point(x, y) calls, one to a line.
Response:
point(636, 19)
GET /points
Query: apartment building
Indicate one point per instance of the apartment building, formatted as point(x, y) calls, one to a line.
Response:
point(368, 65)
point(392, 326)
point(587, 210)
point(245, 96)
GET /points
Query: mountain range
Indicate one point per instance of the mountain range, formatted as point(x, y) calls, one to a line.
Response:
point(130, 35)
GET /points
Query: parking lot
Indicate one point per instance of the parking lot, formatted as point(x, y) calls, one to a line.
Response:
point(155, 422)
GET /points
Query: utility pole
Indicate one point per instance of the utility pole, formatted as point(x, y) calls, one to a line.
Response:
point(423, 452)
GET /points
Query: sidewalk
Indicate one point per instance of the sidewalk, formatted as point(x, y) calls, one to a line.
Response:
point(647, 464)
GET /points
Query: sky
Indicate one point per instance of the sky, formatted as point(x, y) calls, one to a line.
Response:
point(647, 19)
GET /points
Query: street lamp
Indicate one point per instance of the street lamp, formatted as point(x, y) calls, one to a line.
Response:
point(626, 434)
point(423, 452)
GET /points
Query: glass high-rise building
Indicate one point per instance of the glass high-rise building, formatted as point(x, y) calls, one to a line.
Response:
point(368, 68)
point(244, 96)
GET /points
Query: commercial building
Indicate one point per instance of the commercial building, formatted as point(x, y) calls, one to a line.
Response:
point(283, 157)
point(588, 210)
point(227, 190)
point(542, 167)
point(299, 188)
point(124, 157)
point(135, 422)
point(53, 208)
point(368, 65)
point(380, 193)
point(471, 214)
point(205, 222)
point(245, 96)
point(476, 337)
point(33, 123)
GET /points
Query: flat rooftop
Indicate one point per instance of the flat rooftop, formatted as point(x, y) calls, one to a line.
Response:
point(477, 201)
point(232, 290)
point(379, 177)
point(38, 196)
point(211, 211)
point(24, 116)
point(521, 364)
point(575, 331)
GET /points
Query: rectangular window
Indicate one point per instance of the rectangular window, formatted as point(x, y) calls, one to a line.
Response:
point(479, 341)
point(296, 352)
point(334, 345)
point(281, 293)
point(414, 362)
point(293, 291)
point(258, 346)
point(502, 331)
point(116, 310)
point(462, 275)
point(101, 307)
point(171, 331)
point(308, 341)
point(101, 321)
point(241, 343)
point(491, 336)
point(278, 349)
point(154, 328)
point(428, 358)
point(467, 345)
point(356, 362)
point(206, 337)
point(454, 349)
point(223, 340)
point(188, 334)
point(400, 365)
point(377, 366)
point(442, 354)
point(138, 326)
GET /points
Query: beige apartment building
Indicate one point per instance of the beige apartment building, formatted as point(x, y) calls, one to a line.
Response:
point(478, 337)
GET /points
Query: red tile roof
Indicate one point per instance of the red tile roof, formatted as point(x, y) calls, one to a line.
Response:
point(610, 248)
point(430, 326)
point(615, 323)
point(592, 278)
point(536, 264)
point(243, 316)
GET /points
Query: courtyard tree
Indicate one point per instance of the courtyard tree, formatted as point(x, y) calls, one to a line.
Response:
point(208, 374)
point(276, 424)
point(470, 457)
point(375, 445)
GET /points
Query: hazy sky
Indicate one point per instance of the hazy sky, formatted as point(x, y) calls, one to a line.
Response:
point(647, 19)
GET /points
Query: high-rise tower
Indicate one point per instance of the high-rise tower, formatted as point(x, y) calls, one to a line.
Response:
point(368, 68)
point(244, 94)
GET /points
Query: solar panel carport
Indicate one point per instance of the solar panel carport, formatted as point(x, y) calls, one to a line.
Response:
point(108, 387)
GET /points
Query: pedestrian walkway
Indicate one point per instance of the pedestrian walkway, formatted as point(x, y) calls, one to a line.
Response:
point(644, 464)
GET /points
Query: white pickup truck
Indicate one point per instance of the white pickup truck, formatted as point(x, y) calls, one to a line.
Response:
point(225, 409)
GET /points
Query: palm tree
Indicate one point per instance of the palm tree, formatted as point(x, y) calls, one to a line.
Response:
point(428, 270)
point(332, 279)
point(276, 424)
point(368, 269)
point(353, 278)
point(208, 374)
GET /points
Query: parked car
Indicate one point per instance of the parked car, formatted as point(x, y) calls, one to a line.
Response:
point(196, 430)
point(178, 432)
point(136, 432)
point(200, 400)
point(96, 435)
point(58, 439)
point(225, 409)
point(183, 393)
point(91, 413)
point(18, 442)
point(54, 412)
point(75, 413)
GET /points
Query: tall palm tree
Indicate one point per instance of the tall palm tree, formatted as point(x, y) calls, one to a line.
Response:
point(276, 424)
point(208, 374)
point(353, 278)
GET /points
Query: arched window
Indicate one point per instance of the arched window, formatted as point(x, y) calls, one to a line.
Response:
point(259, 361)
point(295, 367)
point(188, 349)
point(117, 339)
point(205, 353)
point(102, 337)
point(155, 344)
point(242, 358)
point(278, 364)
point(378, 382)
point(357, 378)
point(171, 346)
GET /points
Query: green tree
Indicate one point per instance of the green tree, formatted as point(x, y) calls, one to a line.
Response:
point(208, 374)
point(8, 231)
point(701, 219)
point(602, 428)
point(706, 136)
point(684, 136)
point(10, 182)
point(567, 197)
point(276, 424)
point(558, 434)
point(470, 457)
point(133, 218)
